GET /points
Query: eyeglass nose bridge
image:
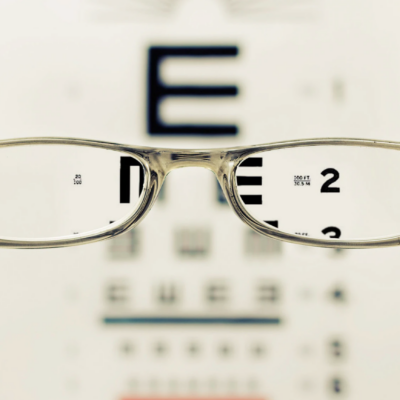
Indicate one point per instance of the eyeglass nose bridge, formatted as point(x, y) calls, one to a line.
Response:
point(174, 159)
point(220, 161)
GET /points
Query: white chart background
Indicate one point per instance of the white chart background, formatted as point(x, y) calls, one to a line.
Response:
point(305, 69)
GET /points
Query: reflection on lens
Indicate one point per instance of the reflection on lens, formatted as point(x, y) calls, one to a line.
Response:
point(50, 191)
point(324, 192)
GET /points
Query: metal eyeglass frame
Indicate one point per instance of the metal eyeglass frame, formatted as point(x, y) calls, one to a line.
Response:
point(158, 162)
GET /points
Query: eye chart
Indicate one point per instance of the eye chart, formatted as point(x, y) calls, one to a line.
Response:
point(192, 304)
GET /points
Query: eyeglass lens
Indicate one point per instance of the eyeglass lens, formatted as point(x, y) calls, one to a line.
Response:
point(50, 191)
point(324, 192)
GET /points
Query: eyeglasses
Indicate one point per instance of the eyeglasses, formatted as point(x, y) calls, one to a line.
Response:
point(342, 193)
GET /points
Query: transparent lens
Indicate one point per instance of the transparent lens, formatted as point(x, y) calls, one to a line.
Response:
point(324, 192)
point(50, 191)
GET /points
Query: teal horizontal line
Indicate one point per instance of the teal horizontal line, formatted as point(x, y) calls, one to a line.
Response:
point(191, 321)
